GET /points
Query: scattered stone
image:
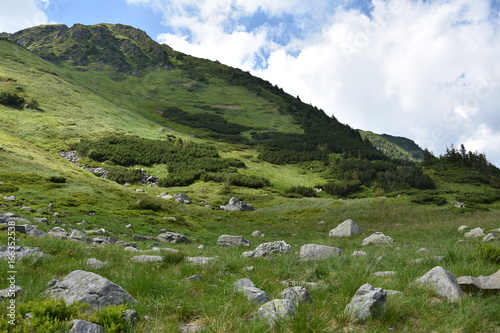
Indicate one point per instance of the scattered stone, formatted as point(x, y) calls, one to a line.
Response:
point(359, 254)
point(201, 247)
point(147, 258)
point(88, 287)
point(243, 283)
point(384, 273)
point(442, 282)
point(267, 249)
point(488, 284)
point(103, 240)
point(154, 245)
point(173, 237)
point(58, 232)
point(306, 284)
point(10, 198)
point(420, 260)
point(182, 198)
point(463, 227)
point(235, 205)
point(321, 222)
point(33, 231)
point(128, 226)
point(131, 249)
point(276, 309)
point(257, 233)
point(82, 326)
point(297, 295)
point(10, 292)
point(194, 278)
point(491, 237)
point(228, 240)
point(368, 302)
point(139, 190)
point(248, 268)
point(393, 292)
point(42, 220)
point(141, 238)
point(165, 196)
point(347, 228)
point(17, 252)
point(127, 244)
point(200, 260)
point(459, 205)
point(95, 263)
point(130, 316)
point(159, 249)
point(28, 209)
point(79, 236)
point(101, 231)
point(316, 251)
point(474, 233)
point(377, 238)
point(190, 328)
point(422, 250)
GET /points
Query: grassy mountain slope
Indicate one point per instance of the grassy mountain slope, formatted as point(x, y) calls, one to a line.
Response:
point(129, 89)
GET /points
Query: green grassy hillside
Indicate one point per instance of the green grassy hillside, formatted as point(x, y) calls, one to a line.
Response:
point(125, 103)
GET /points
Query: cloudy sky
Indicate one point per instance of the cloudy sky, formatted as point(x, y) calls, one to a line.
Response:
point(426, 70)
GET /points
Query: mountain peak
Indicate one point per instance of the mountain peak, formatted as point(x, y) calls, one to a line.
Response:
point(118, 47)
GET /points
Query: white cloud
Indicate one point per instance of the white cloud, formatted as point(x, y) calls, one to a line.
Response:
point(424, 70)
point(20, 14)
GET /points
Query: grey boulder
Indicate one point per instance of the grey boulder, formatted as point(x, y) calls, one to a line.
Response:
point(82, 326)
point(489, 284)
point(277, 309)
point(377, 238)
point(268, 249)
point(346, 229)
point(442, 282)
point(236, 205)
point(368, 302)
point(474, 233)
point(297, 295)
point(173, 237)
point(228, 240)
point(91, 288)
point(316, 251)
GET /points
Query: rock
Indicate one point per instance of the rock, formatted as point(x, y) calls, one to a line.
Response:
point(346, 229)
point(94, 263)
point(359, 254)
point(101, 231)
point(10, 292)
point(422, 250)
point(200, 260)
point(267, 249)
point(368, 302)
point(302, 284)
point(235, 205)
point(173, 237)
point(17, 252)
point(102, 240)
point(194, 278)
point(182, 198)
point(147, 258)
point(248, 268)
point(491, 237)
point(141, 238)
point(131, 249)
point(190, 328)
point(33, 231)
point(201, 247)
point(130, 316)
point(442, 282)
point(256, 295)
point(463, 227)
point(276, 309)
point(459, 205)
point(58, 232)
point(82, 326)
point(420, 260)
point(128, 226)
point(42, 220)
point(297, 295)
point(88, 287)
point(384, 273)
point(228, 240)
point(243, 283)
point(10, 198)
point(28, 209)
point(165, 196)
point(257, 233)
point(79, 236)
point(127, 244)
point(377, 238)
point(488, 284)
point(316, 251)
point(474, 233)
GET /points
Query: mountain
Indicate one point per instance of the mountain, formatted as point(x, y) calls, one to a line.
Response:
point(395, 146)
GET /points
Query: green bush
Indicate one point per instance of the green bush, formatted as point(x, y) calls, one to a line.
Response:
point(11, 99)
point(479, 197)
point(425, 199)
point(111, 318)
point(300, 191)
point(57, 179)
point(488, 252)
point(123, 175)
point(172, 258)
point(148, 203)
point(342, 188)
point(235, 179)
point(8, 188)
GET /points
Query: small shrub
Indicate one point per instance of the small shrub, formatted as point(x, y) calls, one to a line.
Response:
point(11, 99)
point(429, 200)
point(111, 317)
point(300, 191)
point(154, 204)
point(33, 104)
point(479, 198)
point(172, 258)
point(57, 179)
point(342, 188)
point(8, 188)
point(488, 252)
point(123, 175)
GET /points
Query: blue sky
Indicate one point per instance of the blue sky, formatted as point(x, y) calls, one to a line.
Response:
point(427, 70)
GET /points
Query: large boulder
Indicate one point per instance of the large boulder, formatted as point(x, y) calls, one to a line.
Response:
point(253, 294)
point(173, 237)
point(228, 240)
point(316, 251)
point(346, 229)
point(297, 295)
point(79, 236)
point(88, 287)
point(474, 233)
point(442, 282)
point(267, 249)
point(182, 198)
point(368, 302)
point(377, 238)
point(82, 326)
point(275, 310)
point(235, 205)
point(488, 284)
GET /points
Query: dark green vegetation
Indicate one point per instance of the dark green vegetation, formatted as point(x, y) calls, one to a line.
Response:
point(125, 103)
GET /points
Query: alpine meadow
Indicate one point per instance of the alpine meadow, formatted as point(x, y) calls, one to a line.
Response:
point(146, 190)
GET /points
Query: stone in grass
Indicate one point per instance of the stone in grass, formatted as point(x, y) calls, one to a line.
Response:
point(346, 229)
point(377, 238)
point(173, 237)
point(316, 251)
point(442, 282)
point(491, 237)
point(277, 309)
point(91, 288)
point(147, 258)
point(474, 233)
point(229, 240)
point(297, 295)
point(463, 227)
point(489, 284)
point(252, 293)
point(95, 263)
point(82, 326)
point(58, 232)
point(368, 302)
point(268, 249)
point(359, 254)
